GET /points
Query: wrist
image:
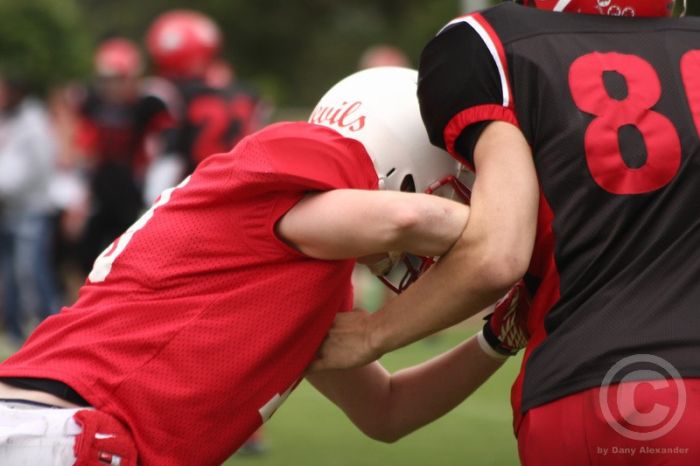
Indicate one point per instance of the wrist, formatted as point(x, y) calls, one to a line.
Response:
point(488, 349)
point(377, 336)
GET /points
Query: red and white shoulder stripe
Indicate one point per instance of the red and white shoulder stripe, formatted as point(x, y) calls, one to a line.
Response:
point(505, 110)
point(494, 45)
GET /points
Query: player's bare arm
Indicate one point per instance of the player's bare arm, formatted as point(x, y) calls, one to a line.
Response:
point(348, 223)
point(492, 253)
point(388, 406)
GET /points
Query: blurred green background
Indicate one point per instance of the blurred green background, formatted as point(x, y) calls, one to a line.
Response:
point(291, 50)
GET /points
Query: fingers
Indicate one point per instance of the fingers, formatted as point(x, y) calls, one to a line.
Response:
point(345, 344)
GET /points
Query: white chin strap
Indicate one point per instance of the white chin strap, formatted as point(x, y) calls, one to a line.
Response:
point(685, 8)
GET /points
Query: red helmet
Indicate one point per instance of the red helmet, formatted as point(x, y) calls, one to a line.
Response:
point(607, 7)
point(183, 43)
point(118, 58)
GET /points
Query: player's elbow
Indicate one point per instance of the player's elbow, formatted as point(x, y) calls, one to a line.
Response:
point(502, 268)
point(390, 424)
point(499, 261)
point(388, 437)
point(384, 432)
point(405, 218)
point(424, 224)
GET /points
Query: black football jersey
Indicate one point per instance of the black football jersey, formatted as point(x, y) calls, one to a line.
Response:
point(212, 120)
point(116, 133)
point(611, 109)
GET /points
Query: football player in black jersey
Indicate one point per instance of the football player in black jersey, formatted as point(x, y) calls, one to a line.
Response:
point(600, 110)
point(213, 109)
point(118, 120)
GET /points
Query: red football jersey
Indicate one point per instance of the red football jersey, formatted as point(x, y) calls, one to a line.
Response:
point(198, 321)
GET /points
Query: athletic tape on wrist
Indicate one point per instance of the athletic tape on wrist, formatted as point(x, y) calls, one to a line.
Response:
point(486, 348)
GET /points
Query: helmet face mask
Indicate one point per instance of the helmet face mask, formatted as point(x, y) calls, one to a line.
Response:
point(647, 8)
point(406, 271)
point(379, 108)
point(410, 267)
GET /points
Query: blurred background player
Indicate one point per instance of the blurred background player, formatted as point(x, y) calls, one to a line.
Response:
point(383, 55)
point(118, 128)
point(27, 160)
point(213, 108)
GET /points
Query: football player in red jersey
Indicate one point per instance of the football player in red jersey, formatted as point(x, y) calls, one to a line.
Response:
point(118, 121)
point(197, 322)
point(595, 103)
point(212, 114)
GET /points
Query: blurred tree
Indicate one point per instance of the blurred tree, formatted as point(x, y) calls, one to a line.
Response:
point(291, 49)
point(42, 41)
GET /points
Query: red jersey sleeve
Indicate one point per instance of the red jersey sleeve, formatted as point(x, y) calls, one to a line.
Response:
point(284, 162)
point(306, 157)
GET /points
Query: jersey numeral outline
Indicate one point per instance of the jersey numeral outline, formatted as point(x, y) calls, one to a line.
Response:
point(601, 140)
point(222, 123)
point(690, 72)
point(269, 408)
point(103, 264)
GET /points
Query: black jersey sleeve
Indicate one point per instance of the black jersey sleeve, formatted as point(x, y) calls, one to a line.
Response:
point(460, 87)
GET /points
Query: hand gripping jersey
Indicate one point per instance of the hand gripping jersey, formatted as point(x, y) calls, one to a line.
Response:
point(611, 109)
point(198, 321)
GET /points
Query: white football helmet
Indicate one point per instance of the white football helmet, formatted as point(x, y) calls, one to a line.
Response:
point(379, 108)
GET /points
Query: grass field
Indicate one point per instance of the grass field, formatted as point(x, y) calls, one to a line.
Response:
point(309, 431)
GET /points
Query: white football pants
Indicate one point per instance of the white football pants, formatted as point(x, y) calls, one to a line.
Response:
point(37, 436)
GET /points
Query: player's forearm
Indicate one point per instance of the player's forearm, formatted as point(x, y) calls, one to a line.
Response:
point(387, 407)
point(421, 394)
point(347, 223)
point(433, 226)
point(462, 283)
point(492, 253)
point(454, 289)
